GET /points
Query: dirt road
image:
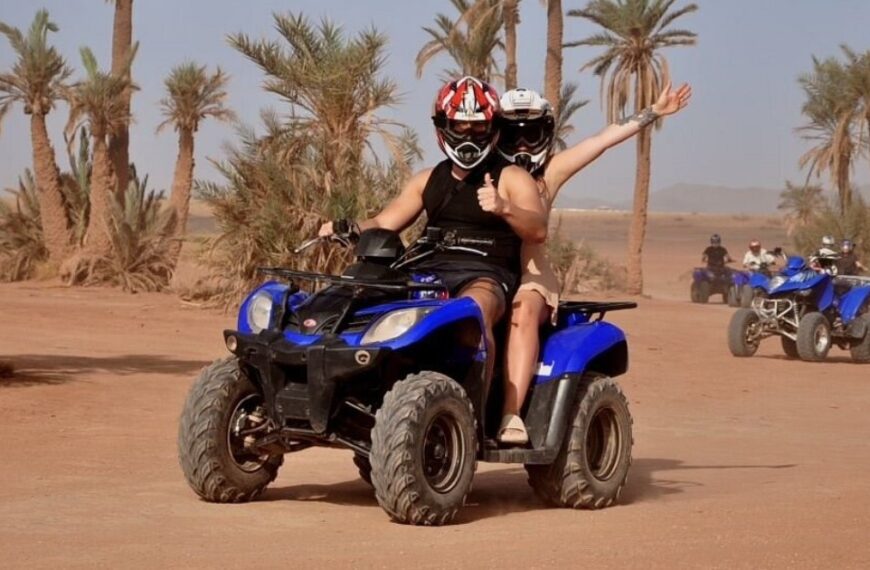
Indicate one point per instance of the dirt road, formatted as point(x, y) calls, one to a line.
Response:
point(748, 463)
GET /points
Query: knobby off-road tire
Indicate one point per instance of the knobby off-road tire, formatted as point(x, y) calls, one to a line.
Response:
point(746, 296)
point(741, 322)
point(861, 349)
point(813, 337)
point(364, 467)
point(204, 450)
point(703, 292)
point(733, 298)
point(789, 347)
point(424, 448)
point(592, 466)
point(693, 292)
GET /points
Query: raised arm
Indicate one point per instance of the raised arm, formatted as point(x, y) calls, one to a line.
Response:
point(569, 162)
point(517, 201)
point(399, 213)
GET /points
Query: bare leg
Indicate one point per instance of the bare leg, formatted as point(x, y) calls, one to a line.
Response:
point(490, 297)
point(528, 312)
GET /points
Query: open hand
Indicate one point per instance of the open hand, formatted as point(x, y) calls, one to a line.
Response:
point(487, 196)
point(669, 101)
point(326, 230)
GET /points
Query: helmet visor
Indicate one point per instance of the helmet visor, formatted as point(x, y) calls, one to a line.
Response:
point(533, 136)
point(480, 133)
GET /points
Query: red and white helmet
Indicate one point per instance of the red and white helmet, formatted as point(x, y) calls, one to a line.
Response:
point(527, 129)
point(465, 120)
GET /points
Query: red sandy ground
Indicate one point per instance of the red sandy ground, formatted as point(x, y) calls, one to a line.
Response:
point(738, 463)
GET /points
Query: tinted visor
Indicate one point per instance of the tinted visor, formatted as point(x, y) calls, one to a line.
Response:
point(457, 132)
point(532, 135)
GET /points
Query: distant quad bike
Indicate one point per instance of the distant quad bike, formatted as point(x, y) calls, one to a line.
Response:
point(810, 311)
point(382, 363)
point(707, 282)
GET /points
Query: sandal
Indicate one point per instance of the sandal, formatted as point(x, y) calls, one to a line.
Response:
point(513, 430)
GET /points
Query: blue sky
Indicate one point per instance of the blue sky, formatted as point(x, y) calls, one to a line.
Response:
point(738, 131)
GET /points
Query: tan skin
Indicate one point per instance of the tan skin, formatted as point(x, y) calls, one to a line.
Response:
point(515, 200)
point(529, 309)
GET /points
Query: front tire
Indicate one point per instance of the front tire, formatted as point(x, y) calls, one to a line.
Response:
point(693, 293)
point(813, 337)
point(592, 466)
point(733, 296)
point(703, 292)
point(214, 461)
point(364, 467)
point(424, 447)
point(746, 296)
point(743, 337)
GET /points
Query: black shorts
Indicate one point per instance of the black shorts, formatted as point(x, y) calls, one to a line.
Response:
point(456, 274)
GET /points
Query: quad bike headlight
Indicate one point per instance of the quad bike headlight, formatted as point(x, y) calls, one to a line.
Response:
point(260, 312)
point(395, 324)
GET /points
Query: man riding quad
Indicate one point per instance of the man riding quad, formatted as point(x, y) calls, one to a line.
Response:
point(758, 259)
point(476, 195)
point(716, 256)
point(825, 258)
point(848, 263)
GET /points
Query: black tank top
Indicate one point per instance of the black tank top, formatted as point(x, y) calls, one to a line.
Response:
point(463, 213)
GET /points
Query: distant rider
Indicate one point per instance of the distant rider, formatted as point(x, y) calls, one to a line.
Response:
point(848, 263)
point(825, 258)
point(716, 256)
point(758, 258)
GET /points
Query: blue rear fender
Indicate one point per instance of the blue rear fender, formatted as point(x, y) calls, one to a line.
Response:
point(758, 280)
point(852, 302)
point(571, 350)
point(739, 278)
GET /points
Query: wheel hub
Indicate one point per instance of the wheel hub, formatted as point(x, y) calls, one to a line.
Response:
point(603, 444)
point(245, 417)
point(443, 453)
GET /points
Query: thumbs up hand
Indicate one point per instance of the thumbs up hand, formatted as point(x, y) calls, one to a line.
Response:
point(489, 199)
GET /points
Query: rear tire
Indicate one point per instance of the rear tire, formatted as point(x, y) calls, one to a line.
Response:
point(740, 329)
point(693, 292)
point(592, 466)
point(861, 349)
point(813, 337)
point(424, 448)
point(789, 347)
point(215, 465)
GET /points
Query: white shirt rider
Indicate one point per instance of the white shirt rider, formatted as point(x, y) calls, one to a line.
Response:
point(754, 261)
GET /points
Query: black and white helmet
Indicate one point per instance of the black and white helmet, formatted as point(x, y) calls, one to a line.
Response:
point(527, 129)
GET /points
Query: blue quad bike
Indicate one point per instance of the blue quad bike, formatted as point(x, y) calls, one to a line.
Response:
point(379, 361)
point(809, 310)
point(707, 282)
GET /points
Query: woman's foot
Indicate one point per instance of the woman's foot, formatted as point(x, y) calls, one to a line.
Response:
point(513, 430)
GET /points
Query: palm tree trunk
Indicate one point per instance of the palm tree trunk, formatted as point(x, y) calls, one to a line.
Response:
point(510, 13)
point(122, 42)
point(182, 182)
point(553, 64)
point(52, 211)
point(98, 240)
point(844, 187)
point(637, 231)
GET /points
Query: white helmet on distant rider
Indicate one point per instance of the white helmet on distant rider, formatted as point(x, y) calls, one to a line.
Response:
point(527, 129)
point(464, 117)
point(828, 241)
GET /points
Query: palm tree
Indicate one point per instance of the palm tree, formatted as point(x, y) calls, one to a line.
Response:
point(800, 204)
point(831, 110)
point(858, 67)
point(122, 44)
point(471, 41)
point(564, 126)
point(634, 33)
point(511, 14)
point(36, 80)
point(553, 62)
point(193, 95)
point(98, 101)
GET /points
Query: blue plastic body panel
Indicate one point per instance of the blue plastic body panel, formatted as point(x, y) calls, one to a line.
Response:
point(740, 278)
point(852, 302)
point(758, 280)
point(571, 349)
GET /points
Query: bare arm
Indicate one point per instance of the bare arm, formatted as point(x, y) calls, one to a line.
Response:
point(400, 212)
point(517, 201)
point(569, 162)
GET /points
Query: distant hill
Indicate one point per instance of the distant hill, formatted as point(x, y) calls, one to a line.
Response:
point(700, 198)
